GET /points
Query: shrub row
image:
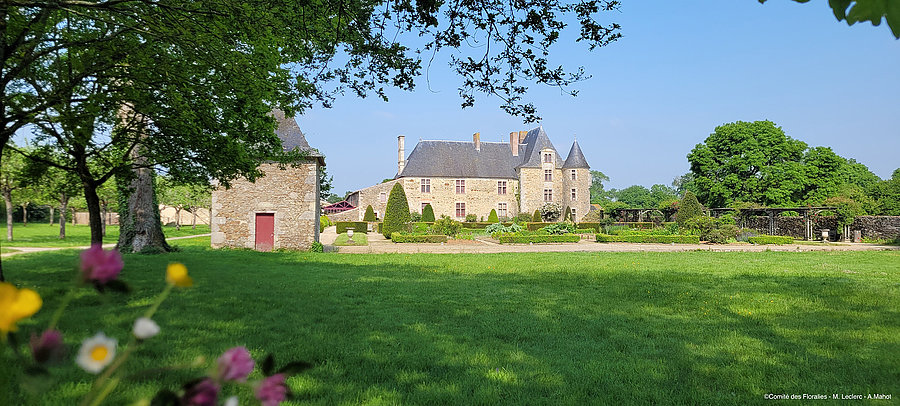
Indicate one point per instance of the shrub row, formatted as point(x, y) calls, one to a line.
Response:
point(417, 238)
point(636, 224)
point(356, 226)
point(771, 239)
point(661, 239)
point(481, 224)
point(585, 231)
point(524, 239)
point(594, 226)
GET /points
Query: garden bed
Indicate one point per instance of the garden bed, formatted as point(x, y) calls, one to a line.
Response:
point(646, 238)
point(509, 238)
point(417, 238)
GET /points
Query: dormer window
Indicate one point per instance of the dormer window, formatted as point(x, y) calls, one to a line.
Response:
point(548, 157)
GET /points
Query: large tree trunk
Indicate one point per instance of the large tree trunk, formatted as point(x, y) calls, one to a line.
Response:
point(24, 214)
point(63, 207)
point(7, 197)
point(93, 206)
point(51, 214)
point(139, 224)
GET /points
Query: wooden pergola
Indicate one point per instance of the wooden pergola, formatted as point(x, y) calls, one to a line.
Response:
point(772, 212)
point(338, 207)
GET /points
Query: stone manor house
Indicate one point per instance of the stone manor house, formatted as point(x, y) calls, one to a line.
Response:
point(459, 178)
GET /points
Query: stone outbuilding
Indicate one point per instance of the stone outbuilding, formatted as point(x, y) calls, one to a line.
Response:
point(279, 210)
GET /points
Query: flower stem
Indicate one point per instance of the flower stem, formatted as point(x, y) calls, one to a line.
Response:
point(159, 299)
point(62, 307)
point(106, 391)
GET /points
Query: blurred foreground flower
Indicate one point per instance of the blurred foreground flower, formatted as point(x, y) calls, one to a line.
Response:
point(176, 274)
point(235, 364)
point(15, 305)
point(145, 328)
point(272, 390)
point(96, 353)
point(100, 266)
point(204, 393)
point(48, 347)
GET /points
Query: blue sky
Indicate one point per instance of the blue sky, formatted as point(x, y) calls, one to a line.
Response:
point(681, 69)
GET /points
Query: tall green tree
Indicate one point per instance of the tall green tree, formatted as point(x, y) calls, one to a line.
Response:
point(11, 176)
point(597, 179)
point(887, 195)
point(396, 213)
point(634, 196)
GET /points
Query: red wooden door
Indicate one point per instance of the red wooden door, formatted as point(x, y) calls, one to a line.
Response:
point(265, 231)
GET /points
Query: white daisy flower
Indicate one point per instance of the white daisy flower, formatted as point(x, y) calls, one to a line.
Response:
point(96, 353)
point(232, 401)
point(145, 328)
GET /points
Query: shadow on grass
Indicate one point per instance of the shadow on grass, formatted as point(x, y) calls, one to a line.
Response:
point(508, 328)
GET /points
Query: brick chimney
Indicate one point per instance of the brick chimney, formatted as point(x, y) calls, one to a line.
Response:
point(514, 143)
point(522, 135)
point(476, 138)
point(401, 155)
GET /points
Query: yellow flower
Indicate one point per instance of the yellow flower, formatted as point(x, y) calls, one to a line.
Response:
point(15, 305)
point(177, 275)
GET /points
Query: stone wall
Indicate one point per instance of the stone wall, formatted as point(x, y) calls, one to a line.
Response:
point(348, 215)
point(481, 196)
point(292, 194)
point(882, 227)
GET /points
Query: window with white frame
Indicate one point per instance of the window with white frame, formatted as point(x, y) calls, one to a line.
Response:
point(382, 197)
point(426, 185)
point(548, 175)
point(574, 176)
point(501, 187)
point(460, 210)
point(548, 195)
point(574, 194)
point(501, 210)
point(548, 157)
point(460, 186)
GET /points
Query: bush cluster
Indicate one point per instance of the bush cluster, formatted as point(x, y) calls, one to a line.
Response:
point(550, 212)
point(446, 226)
point(399, 237)
point(559, 228)
point(645, 238)
point(357, 226)
point(771, 239)
point(471, 218)
point(711, 229)
point(324, 222)
point(500, 228)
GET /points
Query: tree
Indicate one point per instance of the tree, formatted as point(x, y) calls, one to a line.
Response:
point(854, 11)
point(634, 196)
point(597, 179)
point(660, 193)
point(689, 208)
point(200, 198)
point(25, 195)
point(396, 214)
point(753, 162)
point(536, 217)
point(684, 183)
point(325, 186)
point(174, 195)
point(887, 195)
point(11, 173)
point(492, 217)
point(370, 214)
point(428, 213)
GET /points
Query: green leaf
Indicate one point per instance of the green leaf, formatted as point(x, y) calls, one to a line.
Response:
point(295, 367)
point(268, 365)
point(892, 15)
point(839, 7)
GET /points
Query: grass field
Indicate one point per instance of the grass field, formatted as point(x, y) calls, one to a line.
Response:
point(45, 235)
point(358, 239)
point(542, 328)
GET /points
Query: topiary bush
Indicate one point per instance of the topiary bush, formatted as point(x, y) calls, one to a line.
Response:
point(567, 214)
point(370, 214)
point(492, 218)
point(536, 217)
point(357, 226)
point(396, 214)
point(428, 213)
point(689, 208)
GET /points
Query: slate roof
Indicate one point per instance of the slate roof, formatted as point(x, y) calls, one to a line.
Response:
point(535, 141)
point(575, 159)
point(291, 136)
point(460, 159)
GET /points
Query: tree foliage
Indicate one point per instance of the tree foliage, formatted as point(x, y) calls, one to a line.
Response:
point(886, 195)
point(854, 11)
point(396, 214)
point(492, 217)
point(689, 208)
point(597, 179)
point(428, 213)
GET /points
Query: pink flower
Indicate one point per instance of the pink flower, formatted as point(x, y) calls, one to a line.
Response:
point(100, 266)
point(47, 347)
point(272, 390)
point(235, 364)
point(204, 393)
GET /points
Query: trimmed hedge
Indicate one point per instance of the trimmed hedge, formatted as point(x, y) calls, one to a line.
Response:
point(481, 225)
point(509, 238)
point(534, 226)
point(417, 238)
point(771, 239)
point(585, 231)
point(356, 226)
point(640, 225)
point(595, 226)
point(659, 239)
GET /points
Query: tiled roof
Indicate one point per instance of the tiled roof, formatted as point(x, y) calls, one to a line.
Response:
point(575, 159)
point(460, 159)
point(535, 141)
point(291, 137)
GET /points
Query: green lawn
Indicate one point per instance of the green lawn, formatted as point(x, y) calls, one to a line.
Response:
point(358, 239)
point(541, 328)
point(45, 235)
point(4, 250)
